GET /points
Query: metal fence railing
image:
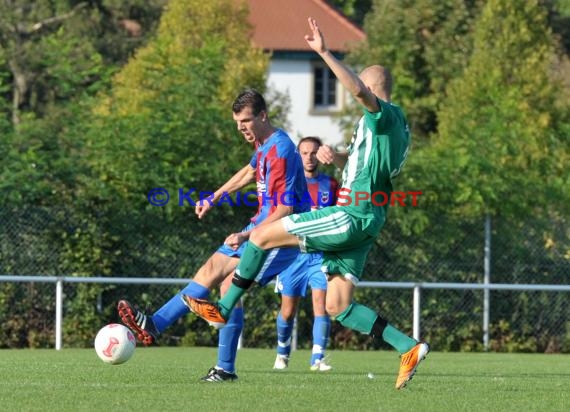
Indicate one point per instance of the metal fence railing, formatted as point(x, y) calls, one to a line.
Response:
point(417, 306)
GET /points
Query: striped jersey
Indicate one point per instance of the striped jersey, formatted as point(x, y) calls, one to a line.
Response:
point(279, 175)
point(322, 190)
point(376, 154)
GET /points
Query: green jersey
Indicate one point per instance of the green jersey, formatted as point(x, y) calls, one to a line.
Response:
point(376, 154)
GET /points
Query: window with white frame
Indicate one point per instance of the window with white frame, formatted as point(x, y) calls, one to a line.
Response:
point(324, 88)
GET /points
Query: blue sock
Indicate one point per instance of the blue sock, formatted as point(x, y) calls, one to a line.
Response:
point(321, 331)
point(228, 341)
point(174, 309)
point(284, 332)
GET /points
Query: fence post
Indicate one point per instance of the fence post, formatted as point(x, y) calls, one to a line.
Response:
point(240, 339)
point(487, 281)
point(416, 312)
point(295, 335)
point(58, 312)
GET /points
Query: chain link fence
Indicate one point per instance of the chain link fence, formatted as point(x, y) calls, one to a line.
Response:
point(48, 242)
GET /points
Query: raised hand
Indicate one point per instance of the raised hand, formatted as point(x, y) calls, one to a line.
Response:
point(315, 40)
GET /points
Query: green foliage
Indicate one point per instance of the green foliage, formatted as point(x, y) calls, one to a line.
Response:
point(24, 325)
point(66, 63)
point(498, 128)
point(81, 316)
point(188, 26)
point(424, 43)
point(355, 10)
point(52, 51)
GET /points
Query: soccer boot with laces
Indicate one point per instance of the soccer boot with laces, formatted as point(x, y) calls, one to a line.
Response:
point(321, 365)
point(206, 310)
point(409, 362)
point(281, 362)
point(219, 375)
point(141, 324)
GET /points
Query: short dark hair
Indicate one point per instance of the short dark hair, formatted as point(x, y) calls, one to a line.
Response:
point(312, 139)
point(250, 98)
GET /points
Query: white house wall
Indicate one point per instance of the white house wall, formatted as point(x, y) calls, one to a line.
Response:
point(294, 77)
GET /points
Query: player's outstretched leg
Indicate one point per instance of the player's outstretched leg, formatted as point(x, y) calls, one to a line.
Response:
point(409, 362)
point(142, 325)
point(206, 310)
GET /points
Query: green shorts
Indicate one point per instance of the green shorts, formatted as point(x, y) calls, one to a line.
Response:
point(337, 234)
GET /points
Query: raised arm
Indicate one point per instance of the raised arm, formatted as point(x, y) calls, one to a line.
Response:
point(346, 76)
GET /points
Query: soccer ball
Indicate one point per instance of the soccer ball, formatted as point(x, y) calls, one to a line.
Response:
point(115, 344)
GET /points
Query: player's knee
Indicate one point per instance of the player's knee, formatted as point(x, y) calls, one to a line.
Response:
point(208, 275)
point(287, 314)
point(288, 307)
point(334, 308)
point(260, 236)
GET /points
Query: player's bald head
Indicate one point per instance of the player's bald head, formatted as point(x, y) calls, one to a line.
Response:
point(378, 79)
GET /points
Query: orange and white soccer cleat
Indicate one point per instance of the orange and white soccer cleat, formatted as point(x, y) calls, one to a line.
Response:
point(206, 310)
point(409, 362)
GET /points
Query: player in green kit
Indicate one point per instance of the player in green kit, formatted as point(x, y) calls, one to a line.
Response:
point(345, 232)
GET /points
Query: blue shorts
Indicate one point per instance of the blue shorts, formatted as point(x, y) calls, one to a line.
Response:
point(304, 271)
point(277, 261)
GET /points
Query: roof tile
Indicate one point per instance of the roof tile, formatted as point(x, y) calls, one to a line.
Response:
point(280, 25)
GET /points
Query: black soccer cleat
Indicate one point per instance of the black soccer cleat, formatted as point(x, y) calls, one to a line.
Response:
point(219, 375)
point(141, 324)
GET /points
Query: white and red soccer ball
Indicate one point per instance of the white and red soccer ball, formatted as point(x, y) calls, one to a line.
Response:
point(115, 344)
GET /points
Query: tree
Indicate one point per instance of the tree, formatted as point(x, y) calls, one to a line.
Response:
point(55, 50)
point(355, 10)
point(170, 106)
point(185, 26)
point(425, 44)
point(502, 129)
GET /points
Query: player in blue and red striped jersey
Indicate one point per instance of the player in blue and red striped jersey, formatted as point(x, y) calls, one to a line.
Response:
point(306, 270)
point(277, 169)
point(322, 188)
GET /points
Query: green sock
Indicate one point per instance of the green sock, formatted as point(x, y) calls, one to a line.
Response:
point(361, 318)
point(358, 317)
point(399, 341)
point(250, 264)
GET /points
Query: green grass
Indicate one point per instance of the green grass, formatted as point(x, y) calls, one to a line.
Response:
point(167, 379)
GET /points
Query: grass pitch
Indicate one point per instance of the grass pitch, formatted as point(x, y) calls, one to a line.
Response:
point(168, 379)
